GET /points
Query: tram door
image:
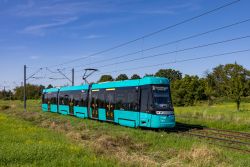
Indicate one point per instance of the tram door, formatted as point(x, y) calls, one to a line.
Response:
point(49, 100)
point(145, 118)
point(110, 104)
point(94, 104)
point(71, 105)
point(48, 105)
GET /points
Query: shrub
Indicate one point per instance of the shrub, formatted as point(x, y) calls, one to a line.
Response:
point(5, 107)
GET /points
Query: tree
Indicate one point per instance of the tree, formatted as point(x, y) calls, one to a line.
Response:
point(247, 92)
point(148, 75)
point(105, 78)
point(188, 90)
point(33, 91)
point(210, 87)
point(230, 80)
point(6, 95)
point(248, 88)
point(236, 82)
point(49, 86)
point(121, 77)
point(219, 77)
point(135, 76)
point(170, 74)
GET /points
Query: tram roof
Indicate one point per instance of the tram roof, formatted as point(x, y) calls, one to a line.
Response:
point(79, 87)
point(50, 90)
point(128, 83)
point(114, 84)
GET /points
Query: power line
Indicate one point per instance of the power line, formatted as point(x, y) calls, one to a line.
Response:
point(54, 72)
point(32, 75)
point(175, 51)
point(57, 78)
point(152, 33)
point(166, 44)
point(179, 61)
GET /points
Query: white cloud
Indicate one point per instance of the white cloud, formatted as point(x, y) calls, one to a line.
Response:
point(34, 57)
point(12, 47)
point(61, 8)
point(38, 29)
point(94, 36)
point(68, 10)
point(102, 22)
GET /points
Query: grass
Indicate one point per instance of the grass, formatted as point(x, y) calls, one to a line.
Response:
point(23, 144)
point(70, 141)
point(222, 116)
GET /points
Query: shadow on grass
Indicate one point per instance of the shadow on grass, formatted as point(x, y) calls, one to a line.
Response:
point(183, 127)
point(179, 128)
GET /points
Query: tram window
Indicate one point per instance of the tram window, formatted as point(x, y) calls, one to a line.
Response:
point(126, 99)
point(66, 99)
point(110, 99)
point(94, 99)
point(84, 99)
point(53, 98)
point(132, 102)
point(63, 98)
point(70, 98)
point(77, 98)
point(120, 99)
point(56, 98)
point(44, 98)
point(101, 99)
point(49, 98)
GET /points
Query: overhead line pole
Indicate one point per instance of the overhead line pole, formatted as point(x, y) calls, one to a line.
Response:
point(24, 89)
point(73, 77)
point(25, 78)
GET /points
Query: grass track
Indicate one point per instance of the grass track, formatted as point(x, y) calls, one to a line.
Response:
point(103, 143)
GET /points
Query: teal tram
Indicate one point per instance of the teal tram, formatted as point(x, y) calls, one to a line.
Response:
point(143, 102)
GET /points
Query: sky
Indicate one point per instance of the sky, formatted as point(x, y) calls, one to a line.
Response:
point(52, 33)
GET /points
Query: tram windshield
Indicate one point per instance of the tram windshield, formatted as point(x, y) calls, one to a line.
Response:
point(161, 98)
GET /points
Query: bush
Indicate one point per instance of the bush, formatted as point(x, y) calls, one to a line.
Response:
point(5, 107)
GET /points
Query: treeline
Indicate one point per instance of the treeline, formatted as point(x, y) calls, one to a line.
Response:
point(33, 92)
point(224, 81)
point(229, 81)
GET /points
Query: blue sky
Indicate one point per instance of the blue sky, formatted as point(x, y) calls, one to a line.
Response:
point(43, 33)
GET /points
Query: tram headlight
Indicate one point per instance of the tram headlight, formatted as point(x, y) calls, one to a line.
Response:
point(159, 112)
point(164, 112)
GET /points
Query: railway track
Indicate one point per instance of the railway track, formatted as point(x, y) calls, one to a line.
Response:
point(225, 138)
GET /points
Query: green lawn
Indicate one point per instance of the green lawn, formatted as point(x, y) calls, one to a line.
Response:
point(46, 139)
point(223, 116)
